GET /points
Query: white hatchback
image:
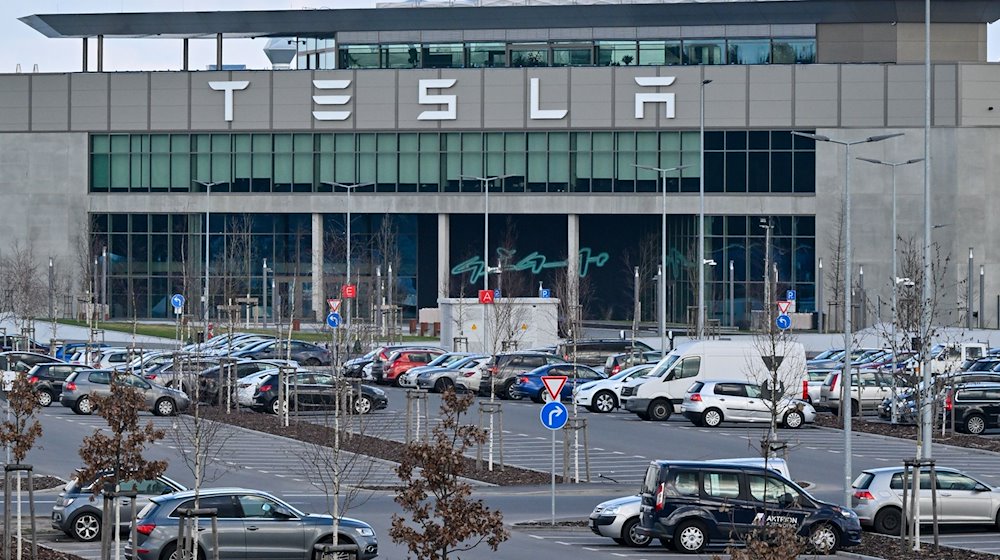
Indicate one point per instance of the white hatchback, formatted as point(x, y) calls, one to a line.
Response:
point(604, 395)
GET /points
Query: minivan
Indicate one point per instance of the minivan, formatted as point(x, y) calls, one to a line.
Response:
point(976, 407)
point(695, 505)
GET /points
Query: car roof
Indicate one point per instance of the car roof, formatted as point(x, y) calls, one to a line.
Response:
point(203, 492)
point(980, 384)
point(709, 464)
point(896, 469)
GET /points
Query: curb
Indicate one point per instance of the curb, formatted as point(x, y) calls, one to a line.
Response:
point(856, 556)
point(905, 440)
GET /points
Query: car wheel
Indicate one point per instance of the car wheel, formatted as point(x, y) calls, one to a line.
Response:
point(83, 406)
point(630, 535)
point(165, 407)
point(507, 392)
point(975, 424)
point(443, 384)
point(690, 537)
point(274, 407)
point(855, 408)
point(711, 417)
point(170, 553)
point(605, 402)
point(86, 527)
point(538, 397)
point(660, 410)
point(312, 362)
point(824, 539)
point(793, 419)
point(642, 415)
point(317, 555)
point(44, 398)
point(888, 521)
point(362, 405)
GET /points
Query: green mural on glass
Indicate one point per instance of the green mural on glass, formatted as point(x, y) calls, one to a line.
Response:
point(534, 261)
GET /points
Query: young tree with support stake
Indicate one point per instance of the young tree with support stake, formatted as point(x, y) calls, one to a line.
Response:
point(118, 455)
point(18, 434)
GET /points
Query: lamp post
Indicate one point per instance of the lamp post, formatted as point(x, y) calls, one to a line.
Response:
point(663, 246)
point(845, 405)
point(348, 187)
point(732, 294)
point(208, 202)
point(819, 298)
point(895, 283)
point(701, 211)
point(485, 181)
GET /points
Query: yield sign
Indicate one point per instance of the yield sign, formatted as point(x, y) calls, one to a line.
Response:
point(334, 305)
point(554, 384)
point(783, 306)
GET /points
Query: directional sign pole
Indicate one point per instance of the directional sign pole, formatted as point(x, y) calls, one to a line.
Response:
point(553, 477)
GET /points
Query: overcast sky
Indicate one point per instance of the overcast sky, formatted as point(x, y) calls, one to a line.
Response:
point(25, 46)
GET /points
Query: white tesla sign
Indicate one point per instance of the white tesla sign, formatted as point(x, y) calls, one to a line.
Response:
point(332, 99)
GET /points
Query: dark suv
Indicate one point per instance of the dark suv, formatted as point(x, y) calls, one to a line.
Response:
point(976, 407)
point(595, 352)
point(47, 380)
point(504, 369)
point(694, 505)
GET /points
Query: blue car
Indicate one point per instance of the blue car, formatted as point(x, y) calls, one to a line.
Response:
point(529, 385)
point(66, 351)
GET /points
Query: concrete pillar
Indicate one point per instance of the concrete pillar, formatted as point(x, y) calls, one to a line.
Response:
point(185, 54)
point(100, 53)
point(444, 252)
point(218, 51)
point(86, 52)
point(572, 263)
point(318, 287)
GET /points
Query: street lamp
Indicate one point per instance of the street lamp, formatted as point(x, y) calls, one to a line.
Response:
point(663, 245)
point(845, 403)
point(208, 202)
point(893, 166)
point(485, 181)
point(701, 211)
point(348, 187)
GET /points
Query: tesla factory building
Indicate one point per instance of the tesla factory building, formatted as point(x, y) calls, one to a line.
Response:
point(574, 118)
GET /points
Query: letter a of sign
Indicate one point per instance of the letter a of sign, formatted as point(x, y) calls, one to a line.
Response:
point(425, 98)
point(331, 100)
point(666, 98)
point(486, 296)
point(228, 87)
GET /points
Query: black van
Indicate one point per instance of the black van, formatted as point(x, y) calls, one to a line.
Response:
point(694, 505)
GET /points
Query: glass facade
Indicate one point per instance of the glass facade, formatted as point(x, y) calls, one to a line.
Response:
point(693, 51)
point(434, 162)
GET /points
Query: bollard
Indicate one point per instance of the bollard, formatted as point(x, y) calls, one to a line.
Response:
point(491, 409)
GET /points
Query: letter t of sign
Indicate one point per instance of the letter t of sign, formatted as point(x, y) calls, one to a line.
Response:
point(228, 87)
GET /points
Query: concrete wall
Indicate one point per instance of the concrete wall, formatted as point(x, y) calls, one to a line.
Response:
point(899, 42)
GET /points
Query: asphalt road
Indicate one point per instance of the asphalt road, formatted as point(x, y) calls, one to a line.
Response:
point(620, 445)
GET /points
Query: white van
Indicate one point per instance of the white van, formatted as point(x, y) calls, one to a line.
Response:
point(660, 393)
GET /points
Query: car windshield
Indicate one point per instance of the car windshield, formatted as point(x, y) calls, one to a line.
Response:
point(663, 366)
point(630, 372)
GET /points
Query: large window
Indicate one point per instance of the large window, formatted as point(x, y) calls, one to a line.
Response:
point(757, 161)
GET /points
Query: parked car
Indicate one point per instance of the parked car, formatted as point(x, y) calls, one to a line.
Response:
point(78, 511)
point(403, 360)
point(504, 369)
point(836, 360)
point(15, 362)
point(976, 408)
point(709, 403)
point(315, 390)
point(692, 506)
point(439, 380)
point(618, 362)
point(603, 395)
point(618, 519)
point(409, 378)
point(868, 388)
point(962, 499)
point(66, 351)
point(595, 352)
point(182, 372)
point(247, 386)
point(47, 380)
point(251, 524)
point(905, 402)
point(212, 380)
point(82, 385)
point(302, 352)
point(110, 358)
point(375, 368)
point(529, 385)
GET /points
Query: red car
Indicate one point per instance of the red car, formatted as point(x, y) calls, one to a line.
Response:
point(401, 361)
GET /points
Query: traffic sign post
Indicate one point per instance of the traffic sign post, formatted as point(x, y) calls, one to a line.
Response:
point(333, 320)
point(177, 300)
point(334, 305)
point(553, 416)
point(783, 322)
point(486, 296)
point(349, 291)
point(790, 295)
point(554, 384)
point(783, 306)
point(545, 293)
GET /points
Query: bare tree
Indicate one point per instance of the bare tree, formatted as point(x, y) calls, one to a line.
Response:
point(440, 517)
point(835, 271)
point(22, 282)
point(18, 434)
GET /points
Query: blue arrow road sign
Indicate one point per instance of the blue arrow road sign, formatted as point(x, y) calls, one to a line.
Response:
point(333, 320)
point(784, 322)
point(790, 295)
point(554, 415)
point(177, 300)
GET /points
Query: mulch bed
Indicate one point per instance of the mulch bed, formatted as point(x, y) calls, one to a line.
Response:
point(43, 552)
point(909, 431)
point(881, 546)
point(366, 445)
point(41, 482)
